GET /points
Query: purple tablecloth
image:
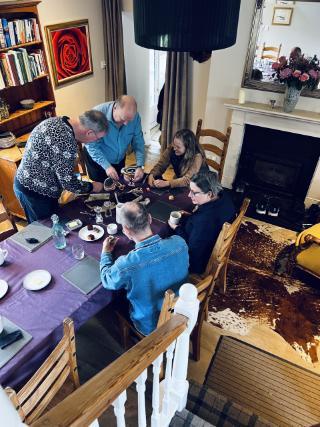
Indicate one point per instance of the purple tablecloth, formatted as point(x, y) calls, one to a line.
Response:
point(41, 313)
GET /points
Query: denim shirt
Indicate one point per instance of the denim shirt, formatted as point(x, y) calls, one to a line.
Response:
point(146, 272)
point(112, 148)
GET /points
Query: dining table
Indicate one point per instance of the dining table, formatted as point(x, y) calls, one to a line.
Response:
point(42, 312)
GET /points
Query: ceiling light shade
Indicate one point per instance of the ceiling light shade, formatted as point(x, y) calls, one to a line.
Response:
point(186, 25)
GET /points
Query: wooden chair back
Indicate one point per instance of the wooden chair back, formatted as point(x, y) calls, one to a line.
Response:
point(217, 264)
point(7, 223)
point(32, 400)
point(275, 52)
point(213, 148)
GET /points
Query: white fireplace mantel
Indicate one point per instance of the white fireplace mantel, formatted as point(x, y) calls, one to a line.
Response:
point(299, 121)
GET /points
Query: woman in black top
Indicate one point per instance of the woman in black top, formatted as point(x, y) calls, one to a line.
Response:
point(200, 230)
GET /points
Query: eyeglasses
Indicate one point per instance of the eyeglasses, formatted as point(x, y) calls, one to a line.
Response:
point(194, 193)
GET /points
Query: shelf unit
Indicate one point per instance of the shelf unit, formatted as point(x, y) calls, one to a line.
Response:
point(21, 121)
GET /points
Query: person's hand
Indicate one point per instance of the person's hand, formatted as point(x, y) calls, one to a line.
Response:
point(185, 213)
point(160, 183)
point(109, 244)
point(151, 180)
point(97, 187)
point(172, 226)
point(110, 171)
point(138, 175)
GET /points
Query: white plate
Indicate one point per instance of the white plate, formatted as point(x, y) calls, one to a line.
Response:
point(97, 233)
point(36, 280)
point(3, 288)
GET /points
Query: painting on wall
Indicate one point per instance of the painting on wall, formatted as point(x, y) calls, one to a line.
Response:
point(282, 15)
point(69, 48)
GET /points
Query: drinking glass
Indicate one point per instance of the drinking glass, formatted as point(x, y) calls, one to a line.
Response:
point(78, 251)
point(98, 212)
point(108, 211)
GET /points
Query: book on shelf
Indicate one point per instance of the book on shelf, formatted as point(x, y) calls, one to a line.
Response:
point(18, 31)
point(18, 66)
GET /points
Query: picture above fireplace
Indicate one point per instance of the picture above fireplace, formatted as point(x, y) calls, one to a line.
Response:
point(276, 168)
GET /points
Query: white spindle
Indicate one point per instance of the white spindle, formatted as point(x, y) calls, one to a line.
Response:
point(155, 418)
point(119, 409)
point(94, 424)
point(188, 305)
point(141, 388)
point(168, 378)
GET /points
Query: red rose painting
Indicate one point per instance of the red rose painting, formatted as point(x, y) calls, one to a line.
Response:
point(70, 50)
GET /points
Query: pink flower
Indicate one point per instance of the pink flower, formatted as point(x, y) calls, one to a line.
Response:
point(313, 74)
point(276, 66)
point(285, 73)
point(296, 73)
point(304, 77)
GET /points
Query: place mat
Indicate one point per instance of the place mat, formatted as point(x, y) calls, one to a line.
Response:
point(161, 210)
point(278, 390)
point(85, 275)
point(37, 231)
point(9, 352)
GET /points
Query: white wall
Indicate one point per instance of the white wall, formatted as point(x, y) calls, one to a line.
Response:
point(137, 70)
point(75, 97)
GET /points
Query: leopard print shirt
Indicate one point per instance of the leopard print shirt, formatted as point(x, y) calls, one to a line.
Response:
point(47, 166)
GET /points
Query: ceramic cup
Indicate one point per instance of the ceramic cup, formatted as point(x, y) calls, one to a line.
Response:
point(175, 217)
point(118, 212)
point(112, 228)
point(3, 255)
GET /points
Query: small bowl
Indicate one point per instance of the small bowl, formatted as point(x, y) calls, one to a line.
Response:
point(112, 229)
point(27, 104)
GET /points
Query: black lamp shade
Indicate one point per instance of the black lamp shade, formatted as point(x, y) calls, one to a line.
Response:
point(186, 25)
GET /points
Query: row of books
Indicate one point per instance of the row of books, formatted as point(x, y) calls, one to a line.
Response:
point(18, 31)
point(19, 66)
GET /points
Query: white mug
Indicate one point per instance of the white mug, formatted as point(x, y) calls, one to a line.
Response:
point(175, 217)
point(118, 212)
point(3, 255)
point(112, 228)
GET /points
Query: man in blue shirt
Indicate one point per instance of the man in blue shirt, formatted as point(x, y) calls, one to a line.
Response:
point(107, 156)
point(147, 271)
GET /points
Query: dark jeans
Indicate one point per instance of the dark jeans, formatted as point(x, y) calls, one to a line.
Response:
point(95, 171)
point(35, 205)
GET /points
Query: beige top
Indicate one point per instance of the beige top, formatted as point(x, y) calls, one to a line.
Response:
point(184, 180)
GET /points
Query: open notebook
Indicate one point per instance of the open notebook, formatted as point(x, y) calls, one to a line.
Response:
point(34, 230)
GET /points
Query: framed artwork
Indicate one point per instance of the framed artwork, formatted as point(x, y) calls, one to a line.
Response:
point(69, 48)
point(282, 15)
point(285, 3)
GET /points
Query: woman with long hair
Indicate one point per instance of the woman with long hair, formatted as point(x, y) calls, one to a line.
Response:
point(186, 157)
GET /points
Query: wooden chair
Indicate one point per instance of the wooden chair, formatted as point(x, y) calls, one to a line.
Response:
point(218, 261)
point(49, 384)
point(7, 223)
point(270, 52)
point(214, 149)
point(205, 288)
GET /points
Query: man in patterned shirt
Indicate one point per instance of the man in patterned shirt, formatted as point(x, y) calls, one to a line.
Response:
point(47, 166)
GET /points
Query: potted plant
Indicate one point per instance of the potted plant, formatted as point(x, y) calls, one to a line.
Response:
point(296, 72)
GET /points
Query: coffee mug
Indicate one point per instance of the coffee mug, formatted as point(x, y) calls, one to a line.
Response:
point(3, 255)
point(118, 212)
point(175, 217)
point(112, 228)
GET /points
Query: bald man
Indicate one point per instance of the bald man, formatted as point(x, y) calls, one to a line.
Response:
point(107, 156)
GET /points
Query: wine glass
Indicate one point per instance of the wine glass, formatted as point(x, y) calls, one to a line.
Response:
point(98, 212)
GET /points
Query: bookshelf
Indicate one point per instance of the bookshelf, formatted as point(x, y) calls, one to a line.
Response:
point(24, 75)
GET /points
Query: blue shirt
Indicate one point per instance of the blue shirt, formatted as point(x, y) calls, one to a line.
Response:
point(112, 148)
point(146, 272)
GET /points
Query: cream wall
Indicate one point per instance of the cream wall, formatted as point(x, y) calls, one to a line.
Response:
point(75, 97)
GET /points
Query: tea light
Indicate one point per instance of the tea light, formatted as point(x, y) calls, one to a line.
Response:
point(242, 96)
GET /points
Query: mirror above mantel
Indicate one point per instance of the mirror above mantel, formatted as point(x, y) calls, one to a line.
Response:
point(282, 26)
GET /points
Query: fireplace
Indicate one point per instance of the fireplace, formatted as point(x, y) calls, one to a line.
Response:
point(277, 166)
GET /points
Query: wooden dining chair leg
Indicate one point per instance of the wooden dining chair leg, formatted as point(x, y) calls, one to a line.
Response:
point(221, 280)
point(68, 329)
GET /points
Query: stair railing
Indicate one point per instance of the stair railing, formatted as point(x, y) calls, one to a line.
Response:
point(108, 387)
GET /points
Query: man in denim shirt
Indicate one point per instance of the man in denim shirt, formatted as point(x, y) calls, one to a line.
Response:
point(107, 156)
point(147, 271)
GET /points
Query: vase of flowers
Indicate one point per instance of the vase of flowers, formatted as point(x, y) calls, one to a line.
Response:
point(296, 73)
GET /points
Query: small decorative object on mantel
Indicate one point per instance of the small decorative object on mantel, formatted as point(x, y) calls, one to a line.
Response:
point(296, 72)
point(272, 103)
point(242, 96)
